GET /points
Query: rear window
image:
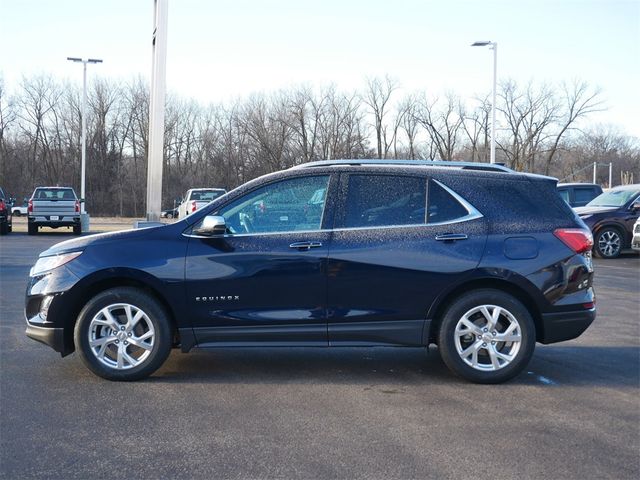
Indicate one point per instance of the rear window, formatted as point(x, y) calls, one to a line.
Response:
point(54, 194)
point(443, 207)
point(206, 195)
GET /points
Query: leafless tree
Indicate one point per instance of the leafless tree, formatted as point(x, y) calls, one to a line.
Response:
point(377, 97)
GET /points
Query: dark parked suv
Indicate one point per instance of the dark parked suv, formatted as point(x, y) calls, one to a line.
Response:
point(610, 217)
point(478, 259)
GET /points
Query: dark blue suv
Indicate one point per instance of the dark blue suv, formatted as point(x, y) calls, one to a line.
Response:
point(478, 259)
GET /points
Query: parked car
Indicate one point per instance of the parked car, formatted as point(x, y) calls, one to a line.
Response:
point(54, 207)
point(19, 210)
point(579, 194)
point(5, 214)
point(169, 213)
point(478, 259)
point(635, 242)
point(611, 216)
point(196, 198)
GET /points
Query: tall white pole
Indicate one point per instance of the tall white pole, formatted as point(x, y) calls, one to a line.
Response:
point(595, 166)
point(610, 174)
point(156, 110)
point(84, 137)
point(493, 102)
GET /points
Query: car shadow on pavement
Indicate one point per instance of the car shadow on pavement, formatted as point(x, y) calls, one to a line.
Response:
point(550, 366)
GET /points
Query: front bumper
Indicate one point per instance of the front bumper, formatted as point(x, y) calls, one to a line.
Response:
point(558, 327)
point(54, 337)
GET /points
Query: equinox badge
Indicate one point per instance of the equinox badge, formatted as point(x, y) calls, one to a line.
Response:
point(218, 298)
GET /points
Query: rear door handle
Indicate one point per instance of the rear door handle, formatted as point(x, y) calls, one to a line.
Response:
point(305, 245)
point(451, 237)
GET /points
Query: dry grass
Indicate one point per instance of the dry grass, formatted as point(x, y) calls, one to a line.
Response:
point(96, 224)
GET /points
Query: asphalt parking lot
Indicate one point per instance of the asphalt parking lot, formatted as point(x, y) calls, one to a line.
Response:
point(320, 413)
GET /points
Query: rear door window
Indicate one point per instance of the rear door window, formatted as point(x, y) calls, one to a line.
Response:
point(384, 200)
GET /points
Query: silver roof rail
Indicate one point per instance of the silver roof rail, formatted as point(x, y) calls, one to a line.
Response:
point(491, 167)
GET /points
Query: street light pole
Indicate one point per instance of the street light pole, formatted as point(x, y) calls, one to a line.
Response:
point(494, 47)
point(83, 162)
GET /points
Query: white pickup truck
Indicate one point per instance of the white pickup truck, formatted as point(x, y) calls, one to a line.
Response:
point(54, 207)
point(197, 198)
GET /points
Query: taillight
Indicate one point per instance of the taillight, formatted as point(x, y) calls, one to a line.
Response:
point(2, 205)
point(77, 205)
point(30, 207)
point(193, 207)
point(576, 239)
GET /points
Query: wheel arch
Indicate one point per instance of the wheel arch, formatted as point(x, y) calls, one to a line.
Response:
point(618, 226)
point(104, 280)
point(437, 310)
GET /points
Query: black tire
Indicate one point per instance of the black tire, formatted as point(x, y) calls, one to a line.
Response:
point(608, 243)
point(77, 230)
point(4, 228)
point(113, 364)
point(456, 346)
point(32, 229)
point(16, 213)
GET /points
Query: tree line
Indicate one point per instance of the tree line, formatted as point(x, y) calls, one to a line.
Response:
point(541, 128)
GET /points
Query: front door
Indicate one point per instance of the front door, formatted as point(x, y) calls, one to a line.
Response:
point(264, 282)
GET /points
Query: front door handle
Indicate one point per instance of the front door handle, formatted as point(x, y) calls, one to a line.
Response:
point(451, 237)
point(305, 245)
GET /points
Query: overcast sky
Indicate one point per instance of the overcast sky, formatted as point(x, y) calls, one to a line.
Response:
point(219, 50)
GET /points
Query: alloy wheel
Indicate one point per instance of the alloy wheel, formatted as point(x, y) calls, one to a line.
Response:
point(121, 336)
point(609, 243)
point(488, 337)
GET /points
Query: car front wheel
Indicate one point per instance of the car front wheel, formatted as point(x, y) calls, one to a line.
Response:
point(123, 334)
point(487, 336)
point(608, 243)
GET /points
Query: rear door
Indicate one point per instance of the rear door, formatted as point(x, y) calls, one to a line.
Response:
point(399, 241)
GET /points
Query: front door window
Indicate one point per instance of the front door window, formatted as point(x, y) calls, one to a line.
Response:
point(294, 205)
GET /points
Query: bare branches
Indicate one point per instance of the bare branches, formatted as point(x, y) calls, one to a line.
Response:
point(226, 145)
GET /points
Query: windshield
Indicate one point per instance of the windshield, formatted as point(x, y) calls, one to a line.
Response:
point(613, 198)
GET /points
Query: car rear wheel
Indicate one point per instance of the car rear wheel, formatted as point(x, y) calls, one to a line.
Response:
point(608, 243)
point(123, 334)
point(487, 336)
point(77, 230)
point(32, 229)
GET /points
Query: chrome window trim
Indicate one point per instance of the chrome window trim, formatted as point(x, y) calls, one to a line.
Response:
point(473, 214)
point(256, 234)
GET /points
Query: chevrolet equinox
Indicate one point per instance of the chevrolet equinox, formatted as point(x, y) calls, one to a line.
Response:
point(478, 259)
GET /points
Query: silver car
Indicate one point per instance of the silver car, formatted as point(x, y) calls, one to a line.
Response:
point(635, 242)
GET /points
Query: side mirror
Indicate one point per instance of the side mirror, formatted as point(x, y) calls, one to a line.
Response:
point(635, 206)
point(211, 225)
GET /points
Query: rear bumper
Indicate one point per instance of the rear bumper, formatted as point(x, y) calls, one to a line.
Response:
point(558, 327)
point(64, 221)
point(54, 337)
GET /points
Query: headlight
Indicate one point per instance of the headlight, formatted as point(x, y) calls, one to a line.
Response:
point(44, 264)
